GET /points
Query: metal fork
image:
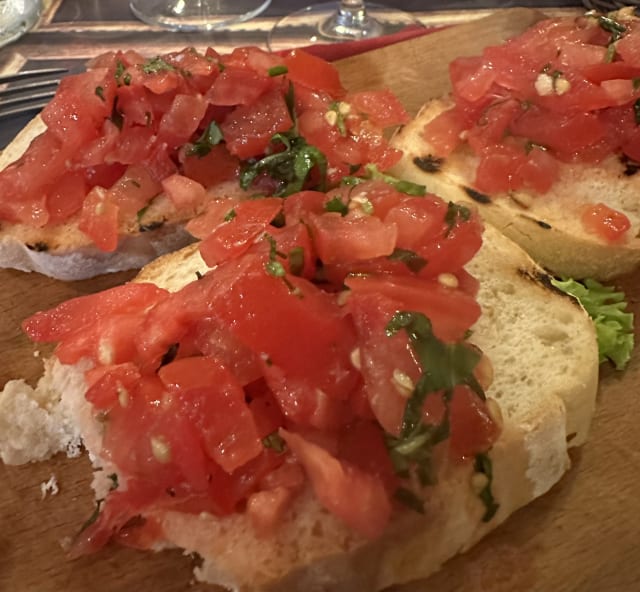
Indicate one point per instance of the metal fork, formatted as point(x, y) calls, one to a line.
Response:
point(28, 91)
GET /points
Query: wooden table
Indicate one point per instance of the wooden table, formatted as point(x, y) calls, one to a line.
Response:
point(581, 537)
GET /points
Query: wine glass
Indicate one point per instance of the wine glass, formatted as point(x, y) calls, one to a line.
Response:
point(196, 15)
point(16, 18)
point(331, 22)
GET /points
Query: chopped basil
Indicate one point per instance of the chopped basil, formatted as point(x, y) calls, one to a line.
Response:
point(411, 259)
point(275, 268)
point(291, 167)
point(120, 68)
point(444, 366)
point(410, 499)
point(483, 465)
point(141, 212)
point(209, 138)
point(335, 204)
point(157, 64)
point(93, 517)
point(296, 260)
point(231, 214)
point(399, 184)
point(612, 26)
point(340, 119)
point(636, 83)
point(275, 442)
point(100, 92)
point(636, 111)
point(454, 213)
point(278, 70)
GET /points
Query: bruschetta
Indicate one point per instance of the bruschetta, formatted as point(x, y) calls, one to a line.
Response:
point(130, 150)
point(541, 133)
point(344, 388)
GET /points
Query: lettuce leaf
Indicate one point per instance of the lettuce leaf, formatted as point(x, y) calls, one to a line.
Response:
point(607, 308)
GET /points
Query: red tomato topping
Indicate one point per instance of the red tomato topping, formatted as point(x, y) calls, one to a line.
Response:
point(564, 91)
point(130, 128)
point(605, 222)
point(280, 369)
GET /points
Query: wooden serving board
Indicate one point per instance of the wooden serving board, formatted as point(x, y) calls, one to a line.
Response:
point(582, 536)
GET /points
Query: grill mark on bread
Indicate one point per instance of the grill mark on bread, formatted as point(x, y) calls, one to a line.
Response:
point(631, 167)
point(38, 246)
point(481, 198)
point(543, 224)
point(544, 280)
point(429, 163)
point(151, 226)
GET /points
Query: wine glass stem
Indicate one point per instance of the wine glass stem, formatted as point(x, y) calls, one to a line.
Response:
point(350, 21)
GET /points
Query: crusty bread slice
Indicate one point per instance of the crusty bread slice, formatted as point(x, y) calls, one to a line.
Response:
point(64, 252)
point(544, 354)
point(547, 226)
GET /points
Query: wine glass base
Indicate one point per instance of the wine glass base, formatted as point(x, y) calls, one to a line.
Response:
point(196, 15)
point(325, 23)
point(16, 18)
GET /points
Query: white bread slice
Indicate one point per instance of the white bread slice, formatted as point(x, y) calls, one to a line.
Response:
point(543, 350)
point(547, 226)
point(64, 252)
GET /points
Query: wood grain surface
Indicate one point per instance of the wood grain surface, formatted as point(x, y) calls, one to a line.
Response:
point(583, 536)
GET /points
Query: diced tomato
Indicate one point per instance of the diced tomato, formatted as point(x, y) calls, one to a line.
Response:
point(57, 323)
point(66, 198)
point(250, 220)
point(265, 509)
point(387, 364)
point(381, 107)
point(628, 48)
point(605, 222)
point(472, 428)
point(99, 219)
point(215, 167)
point(184, 192)
point(81, 104)
point(351, 238)
point(229, 433)
point(132, 145)
point(443, 132)
point(334, 483)
point(451, 311)
point(249, 128)
point(132, 191)
point(471, 78)
point(181, 121)
point(312, 72)
point(238, 86)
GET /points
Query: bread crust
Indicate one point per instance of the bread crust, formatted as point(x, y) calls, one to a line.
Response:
point(548, 227)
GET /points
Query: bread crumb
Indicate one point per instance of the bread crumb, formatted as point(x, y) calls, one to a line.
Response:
point(50, 486)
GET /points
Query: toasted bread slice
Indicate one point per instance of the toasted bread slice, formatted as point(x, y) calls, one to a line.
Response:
point(64, 252)
point(526, 326)
point(547, 226)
